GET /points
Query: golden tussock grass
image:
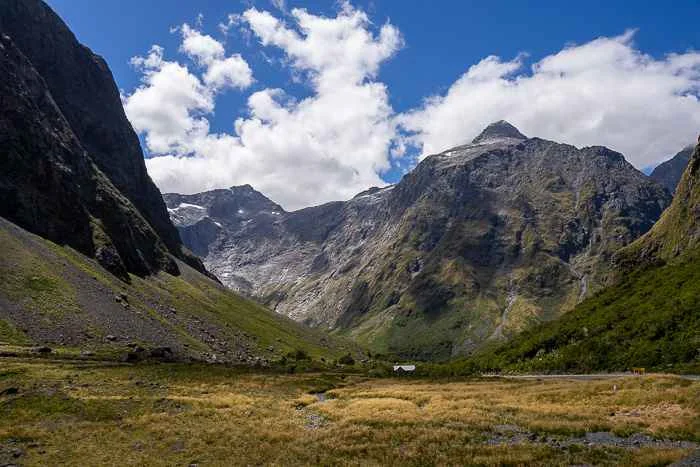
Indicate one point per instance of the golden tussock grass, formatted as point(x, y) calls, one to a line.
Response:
point(91, 414)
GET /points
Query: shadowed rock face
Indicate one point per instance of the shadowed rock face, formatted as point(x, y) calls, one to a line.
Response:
point(678, 230)
point(474, 244)
point(647, 317)
point(670, 172)
point(72, 169)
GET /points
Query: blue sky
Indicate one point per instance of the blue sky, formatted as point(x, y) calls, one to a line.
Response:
point(441, 40)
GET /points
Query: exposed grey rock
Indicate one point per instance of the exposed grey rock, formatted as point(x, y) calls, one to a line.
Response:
point(692, 460)
point(669, 173)
point(500, 130)
point(71, 167)
point(474, 244)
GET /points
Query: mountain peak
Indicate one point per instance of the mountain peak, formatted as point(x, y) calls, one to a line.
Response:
point(669, 173)
point(246, 187)
point(677, 231)
point(498, 130)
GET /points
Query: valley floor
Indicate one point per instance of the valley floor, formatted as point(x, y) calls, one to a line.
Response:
point(92, 413)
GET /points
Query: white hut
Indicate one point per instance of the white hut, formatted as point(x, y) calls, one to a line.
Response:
point(404, 368)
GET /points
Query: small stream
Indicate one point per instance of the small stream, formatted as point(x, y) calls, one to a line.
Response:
point(510, 301)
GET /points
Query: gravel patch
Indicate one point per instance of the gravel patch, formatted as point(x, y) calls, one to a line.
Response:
point(512, 434)
point(691, 460)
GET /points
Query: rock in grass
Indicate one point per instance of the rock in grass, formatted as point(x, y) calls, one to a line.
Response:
point(162, 353)
point(132, 357)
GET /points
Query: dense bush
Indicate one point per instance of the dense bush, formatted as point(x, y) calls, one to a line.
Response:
point(299, 355)
point(346, 360)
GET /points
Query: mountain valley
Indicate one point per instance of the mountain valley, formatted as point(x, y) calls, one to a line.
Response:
point(649, 315)
point(472, 246)
point(512, 300)
point(91, 263)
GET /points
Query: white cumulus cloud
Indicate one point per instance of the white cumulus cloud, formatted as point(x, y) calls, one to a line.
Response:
point(168, 106)
point(335, 51)
point(342, 137)
point(221, 72)
point(231, 72)
point(201, 47)
point(325, 147)
point(604, 92)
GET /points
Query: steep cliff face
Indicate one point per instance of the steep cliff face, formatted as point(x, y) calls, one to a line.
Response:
point(474, 244)
point(648, 317)
point(237, 206)
point(669, 173)
point(73, 188)
point(72, 166)
point(678, 230)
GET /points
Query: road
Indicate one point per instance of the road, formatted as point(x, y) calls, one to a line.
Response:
point(589, 377)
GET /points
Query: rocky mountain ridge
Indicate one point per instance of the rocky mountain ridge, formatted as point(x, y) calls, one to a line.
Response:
point(669, 172)
point(72, 169)
point(91, 265)
point(474, 244)
point(678, 230)
point(648, 317)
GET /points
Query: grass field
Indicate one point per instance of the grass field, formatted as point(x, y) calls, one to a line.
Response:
point(90, 413)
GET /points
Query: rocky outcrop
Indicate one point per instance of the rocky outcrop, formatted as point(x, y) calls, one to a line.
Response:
point(73, 188)
point(648, 316)
point(474, 244)
point(71, 168)
point(498, 131)
point(56, 298)
point(669, 173)
point(678, 230)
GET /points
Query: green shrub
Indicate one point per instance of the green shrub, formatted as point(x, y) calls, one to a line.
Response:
point(346, 360)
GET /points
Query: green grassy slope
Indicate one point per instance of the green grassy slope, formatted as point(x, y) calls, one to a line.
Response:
point(52, 295)
point(650, 317)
